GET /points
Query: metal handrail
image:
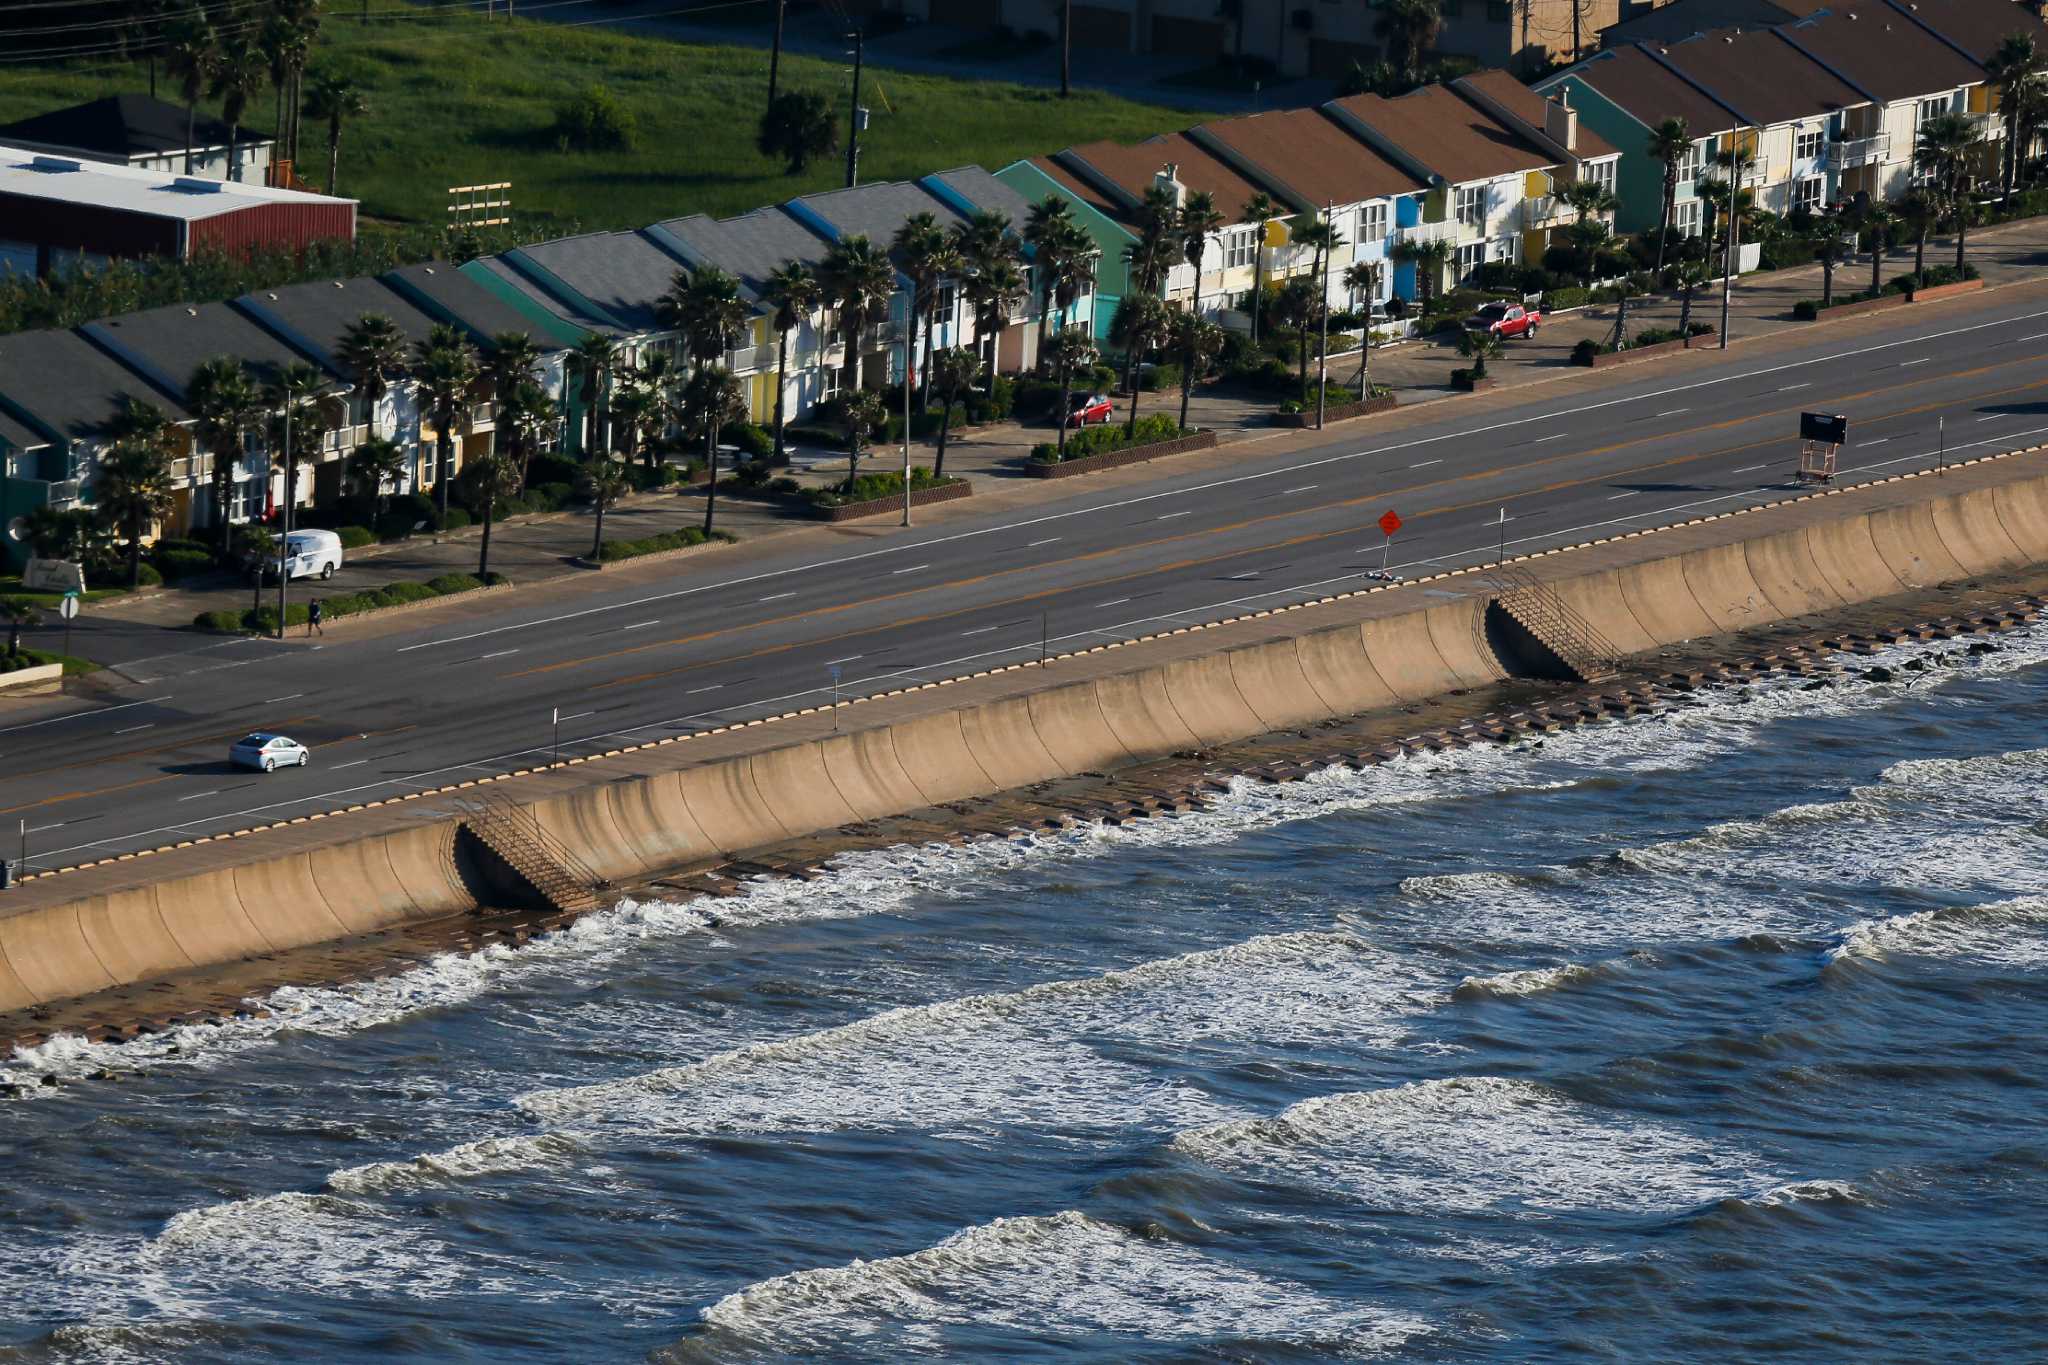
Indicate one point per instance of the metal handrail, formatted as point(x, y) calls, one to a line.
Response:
point(1544, 611)
point(519, 823)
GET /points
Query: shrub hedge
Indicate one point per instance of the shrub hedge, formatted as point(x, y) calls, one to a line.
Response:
point(614, 550)
point(356, 537)
point(871, 487)
point(264, 619)
point(1103, 439)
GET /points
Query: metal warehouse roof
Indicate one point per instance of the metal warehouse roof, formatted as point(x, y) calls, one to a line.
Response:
point(129, 189)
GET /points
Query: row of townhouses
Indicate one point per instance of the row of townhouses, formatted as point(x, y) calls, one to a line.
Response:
point(1828, 105)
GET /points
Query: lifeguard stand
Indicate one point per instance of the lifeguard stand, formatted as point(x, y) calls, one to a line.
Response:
point(1821, 438)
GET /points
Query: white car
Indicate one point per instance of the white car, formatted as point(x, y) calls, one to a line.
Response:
point(268, 752)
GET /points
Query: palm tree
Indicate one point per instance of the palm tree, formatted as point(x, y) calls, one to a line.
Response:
point(1408, 29)
point(1296, 306)
point(633, 405)
point(1258, 210)
point(1480, 347)
point(711, 398)
point(863, 412)
point(376, 466)
point(1139, 324)
point(372, 350)
point(1429, 259)
point(858, 280)
point(2016, 68)
point(275, 39)
point(1829, 251)
point(1587, 198)
point(1943, 153)
point(514, 361)
point(446, 372)
point(532, 415)
point(223, 398)
point(1045, 233)
point(189, 48)
point(131, 487)
point(1198, 221)
point(954, 370)
point(928, 256)
point(658, 376)
point(1881, 223)
point(1691, 275)
point(1917, 214)
point(18, 612)
point(1670, 143)
point(1363, 277)
point(335, 98)
point(995, 285)
point(799, 126)
point(1070, 349)
point(1321, 238)
point(792, 291)
point(603, 482)
point(489, 478)
point(238, 73)
point(1199, 340)
point(296, 390)
point(595, 357)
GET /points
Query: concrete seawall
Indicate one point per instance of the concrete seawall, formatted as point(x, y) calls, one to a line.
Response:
point(318, 879)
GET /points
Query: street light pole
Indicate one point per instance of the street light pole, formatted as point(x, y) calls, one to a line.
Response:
point(909, 353)
point(1323, 346)
point(853, 115)
point(284, 511)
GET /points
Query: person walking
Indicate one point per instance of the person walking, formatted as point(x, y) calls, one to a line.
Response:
point(313, 626)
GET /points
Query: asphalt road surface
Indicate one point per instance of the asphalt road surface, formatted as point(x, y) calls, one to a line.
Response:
point(763, 629)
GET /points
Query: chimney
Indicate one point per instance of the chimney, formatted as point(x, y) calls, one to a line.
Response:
point(1561, 124)
point(1168, 179)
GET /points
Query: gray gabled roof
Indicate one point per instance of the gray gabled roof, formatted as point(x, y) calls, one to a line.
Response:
point(314, 317)
point(64, 384)
point(621, 274)
point(166, 345)
point(877, 211)
point(441, 289)
point(981, 189)
point(15, 436)
point(749, 247)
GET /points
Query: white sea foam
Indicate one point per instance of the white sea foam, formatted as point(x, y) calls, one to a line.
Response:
point(1809, 1192)
point(2007, 933)
point(296, 1241)
point(470, 1161)
point(1019, 1057)
point(1477, 1144)
point(1539, 980)
point(1066, 1275)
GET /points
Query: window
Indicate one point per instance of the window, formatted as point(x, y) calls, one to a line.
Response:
point(1686, 216)
point(1470, 257)
point(1240, 248)
point(429, 461)
point(1806, 194)
point(1372, 223)
point(1930, 109)
point(245, 497)
point(1506, 249)
point(1694, 160)
point(1601, 173)
point(1471, 205)
point(1807, 142)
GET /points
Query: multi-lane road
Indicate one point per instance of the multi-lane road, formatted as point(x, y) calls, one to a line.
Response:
point(763, 628)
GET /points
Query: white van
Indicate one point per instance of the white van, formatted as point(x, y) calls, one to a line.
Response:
point(310, 554)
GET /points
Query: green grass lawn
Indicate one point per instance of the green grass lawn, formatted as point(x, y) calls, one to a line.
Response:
point(459, 100)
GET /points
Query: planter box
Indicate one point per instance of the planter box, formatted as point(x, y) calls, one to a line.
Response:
point(921, 497)
point(1633, 353)
point(1113, 459)
point(1943, 291)
point(1850, 310)
point(41, 678)
point(1465, 383)
point(586, 562)
point(1337, 412)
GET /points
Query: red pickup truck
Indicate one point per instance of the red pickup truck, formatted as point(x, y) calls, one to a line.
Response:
point(1505, 320)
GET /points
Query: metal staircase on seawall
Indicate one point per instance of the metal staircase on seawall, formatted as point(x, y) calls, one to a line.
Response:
point(1539, 609)
point(554, 871)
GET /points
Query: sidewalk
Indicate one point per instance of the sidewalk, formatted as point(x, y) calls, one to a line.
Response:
point(536, 550)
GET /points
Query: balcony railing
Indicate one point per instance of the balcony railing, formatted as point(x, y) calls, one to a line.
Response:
point(1850, 153)
point(750, 359)
point(1419, 233)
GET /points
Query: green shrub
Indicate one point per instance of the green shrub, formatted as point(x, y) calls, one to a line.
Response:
point(997, 404)
point(356, 537)
point(1806, 310)
point(815, 434)
point(397, 594)
point(1165, 375)
point(872, 487)
point(1583, 353)
point(263, 620)
point(1569, 297)
point(614, 550)
point(755, 443)
point(1652, 336)
point(595, 121)
point(229, 622)
point(454, 519)
point(179, 563)
point(347, 604)
point(453, 582)
point(1100, 440)
point(558, 495)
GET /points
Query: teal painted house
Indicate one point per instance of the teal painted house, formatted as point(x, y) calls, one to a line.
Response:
point(1040, 178)
point(1623, 94)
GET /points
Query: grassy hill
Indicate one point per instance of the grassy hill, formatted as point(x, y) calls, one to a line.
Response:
point(457, 99)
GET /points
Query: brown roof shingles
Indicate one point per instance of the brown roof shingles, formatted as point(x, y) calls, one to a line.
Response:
point(1759, 75)
point(1647, 91)
point(1975, 26)
point(1306, 156)
point(1525, 104)
point(1445, 134)
point(1881, 51)
point(1132, 166)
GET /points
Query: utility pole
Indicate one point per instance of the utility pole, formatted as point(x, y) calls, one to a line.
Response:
point(1066, 48)
point(909, 352)
point(1734, 244)
point(853, 117)
point(1323, 347)
point(284, 511)
point(775, 52)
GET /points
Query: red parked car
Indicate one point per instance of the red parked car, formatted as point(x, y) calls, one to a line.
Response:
point(1095, 409)
point(1505, 320)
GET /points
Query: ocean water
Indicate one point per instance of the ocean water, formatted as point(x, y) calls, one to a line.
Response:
point(1718, 1035)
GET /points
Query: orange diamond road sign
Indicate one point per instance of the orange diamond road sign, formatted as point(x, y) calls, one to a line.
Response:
point(1390, 523)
